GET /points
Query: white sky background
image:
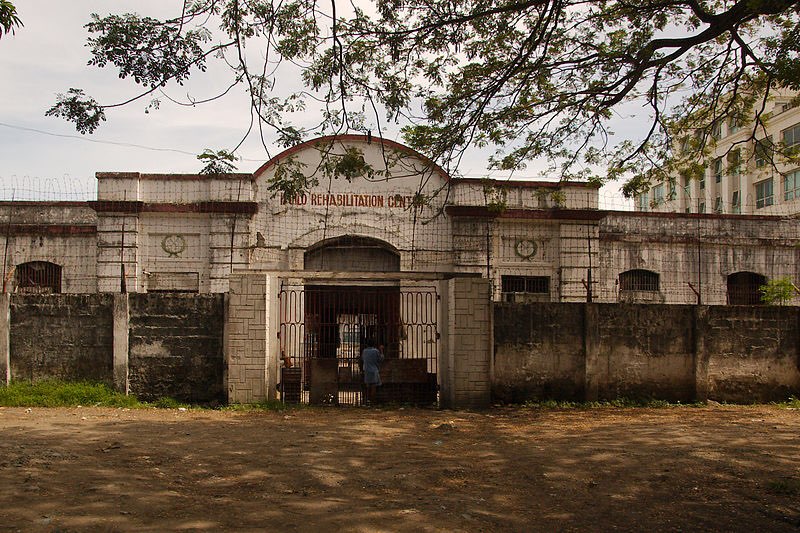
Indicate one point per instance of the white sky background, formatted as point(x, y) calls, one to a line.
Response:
point(48, 56)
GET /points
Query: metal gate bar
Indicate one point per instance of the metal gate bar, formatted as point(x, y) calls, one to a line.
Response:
point(324, 328)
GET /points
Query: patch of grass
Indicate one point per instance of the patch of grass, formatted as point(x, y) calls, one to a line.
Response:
point(617, 403)
point(786, 487)
point(52, 393)
point(791, 403)
point(265, 405)
point(167, 403)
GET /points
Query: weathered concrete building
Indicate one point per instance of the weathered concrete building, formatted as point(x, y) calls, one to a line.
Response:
point(378, 242)
point(397, 211)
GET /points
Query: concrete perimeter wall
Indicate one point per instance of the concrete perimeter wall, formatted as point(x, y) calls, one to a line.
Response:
point(157, 345)
point(175, 346)
point(679, 353)
point(153, 345)
point(65, 336)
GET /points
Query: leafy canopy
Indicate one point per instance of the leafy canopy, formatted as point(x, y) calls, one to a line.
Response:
point(531, 79)
point(9, 19)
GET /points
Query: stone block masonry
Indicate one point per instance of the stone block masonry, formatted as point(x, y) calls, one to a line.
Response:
point(468, 347)
point(175, 346)
point(66, 336)
point(678, 353)
point(247, 343)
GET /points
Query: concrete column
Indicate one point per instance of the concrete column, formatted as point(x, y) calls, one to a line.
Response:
point(700, 354)
point(5, 338)
point(444, 364)
point(250, 349)
point(591, 351)
point(121, 331)
point(469, 344)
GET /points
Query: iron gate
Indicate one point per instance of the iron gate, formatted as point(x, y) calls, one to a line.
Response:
point(323, 329)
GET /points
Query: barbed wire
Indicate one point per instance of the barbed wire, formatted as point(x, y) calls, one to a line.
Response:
point(190, 244)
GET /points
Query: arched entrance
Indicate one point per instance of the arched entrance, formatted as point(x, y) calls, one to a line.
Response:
point(38, 277)
point(351, 253)
point(327, 321)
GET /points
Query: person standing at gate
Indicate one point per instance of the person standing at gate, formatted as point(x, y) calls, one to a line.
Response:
point(371, 359)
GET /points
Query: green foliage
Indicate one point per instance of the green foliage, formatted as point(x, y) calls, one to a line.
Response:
point(495, 197)
point(83, 110)
point(266, 405)
point(531, 80)
point(219, 162)
point(290, 179)
point(779, 291)
point(148, 50)
point(616, 403)
point(792, 403)
point(349, 164)
point(61, 394)
point(8, 18)
point(168, 403)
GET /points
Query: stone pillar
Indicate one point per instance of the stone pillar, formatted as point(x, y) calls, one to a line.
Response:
point(699, 352)
point(5, 338)
point(120, 336)
point(467, 383)
point(593, 370)
point(250, 349)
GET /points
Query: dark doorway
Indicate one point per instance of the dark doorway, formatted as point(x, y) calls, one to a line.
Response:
point(743, 288)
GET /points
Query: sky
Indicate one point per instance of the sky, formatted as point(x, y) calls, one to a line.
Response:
point(45, 158)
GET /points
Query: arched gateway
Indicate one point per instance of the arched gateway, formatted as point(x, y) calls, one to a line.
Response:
point(355, 257)
point(327, 320)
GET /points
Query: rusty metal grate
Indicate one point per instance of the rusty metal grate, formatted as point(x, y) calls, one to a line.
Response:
point(323, 329)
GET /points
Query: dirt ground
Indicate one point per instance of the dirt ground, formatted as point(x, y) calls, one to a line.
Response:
point(718, 468)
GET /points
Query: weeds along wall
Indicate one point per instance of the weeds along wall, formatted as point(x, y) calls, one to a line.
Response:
point(580, 352)
point(174, 346)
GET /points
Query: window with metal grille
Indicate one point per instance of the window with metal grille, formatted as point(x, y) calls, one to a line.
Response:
point(791, 136)
point(38, 277)
point(529, 284)
point(734, 163)
point(791, 186)
point(764, 196)
point(638, 280)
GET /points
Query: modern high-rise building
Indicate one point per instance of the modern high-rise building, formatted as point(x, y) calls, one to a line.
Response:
point(740, 175)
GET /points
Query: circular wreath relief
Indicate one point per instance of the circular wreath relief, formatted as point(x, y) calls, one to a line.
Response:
point(173, 245)
point(525, 248)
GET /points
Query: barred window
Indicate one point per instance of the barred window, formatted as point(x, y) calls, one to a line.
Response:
point(638, 280)
point(743, 288)
point(38, 277)
point(529, 284)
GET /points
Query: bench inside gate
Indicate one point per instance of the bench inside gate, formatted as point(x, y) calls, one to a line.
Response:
point(404, 381)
